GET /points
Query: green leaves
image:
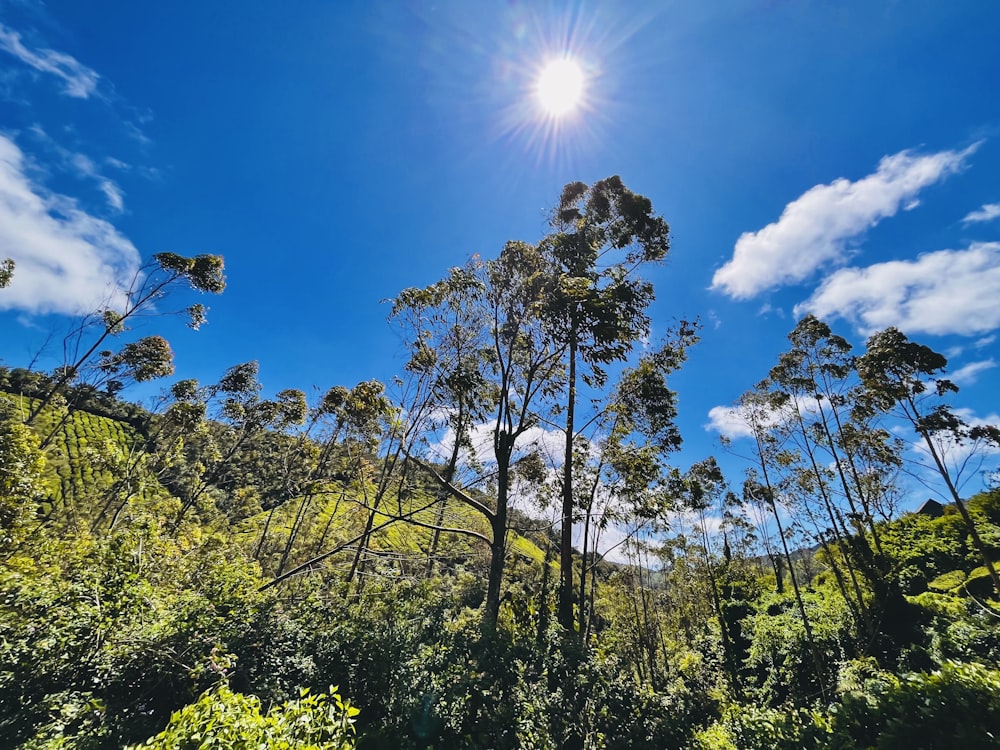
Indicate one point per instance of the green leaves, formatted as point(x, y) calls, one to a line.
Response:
point(894, 368)
point(142, 360)
point(203, 272)
point(21, 476)
point(223, 719)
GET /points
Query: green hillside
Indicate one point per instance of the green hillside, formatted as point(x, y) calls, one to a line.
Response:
point(151, 604)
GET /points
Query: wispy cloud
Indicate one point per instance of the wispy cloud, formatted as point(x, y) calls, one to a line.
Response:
point(736, 421)
point(968, 374)
point(988, 212)
point(944, 292)
point(82, 166)
point(113, 194)
point(816, 229)
point(67, 260)
point(79, 81)
point(985, 341)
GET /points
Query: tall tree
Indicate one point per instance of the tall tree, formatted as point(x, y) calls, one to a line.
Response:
point(901, 376)
point(757, 409)
point(702, 488)
point(506, 370)
point(604, 234)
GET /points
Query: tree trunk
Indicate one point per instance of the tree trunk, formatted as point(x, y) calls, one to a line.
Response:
point(566, 538)
point(498, 548)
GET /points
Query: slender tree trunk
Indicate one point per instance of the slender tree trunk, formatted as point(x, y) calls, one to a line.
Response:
point(329, 523)
point(543, 609)
point(498, 548)
point(841, 535)
point(366, 535)
point(449, 474)
point(263, 534)
point(294, 531)
point(566, 538)
point(791, 574)
point(584, 568)
point(728, 651)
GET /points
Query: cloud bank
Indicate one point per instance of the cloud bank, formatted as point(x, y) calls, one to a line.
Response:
point(67, 261)
point(939, 293)
point(816, 229)
point(79, 81)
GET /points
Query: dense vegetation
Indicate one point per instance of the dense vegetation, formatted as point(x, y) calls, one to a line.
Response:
point(235, 570)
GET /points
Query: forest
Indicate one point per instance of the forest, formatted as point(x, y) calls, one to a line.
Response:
point(496, 549)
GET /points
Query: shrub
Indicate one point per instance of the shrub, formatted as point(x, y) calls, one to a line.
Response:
point(225, 720)
point(955, 706)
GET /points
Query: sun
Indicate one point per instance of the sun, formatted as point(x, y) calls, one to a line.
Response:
point(559, 87)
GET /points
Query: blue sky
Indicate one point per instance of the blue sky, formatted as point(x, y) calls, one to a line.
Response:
point(840, 158)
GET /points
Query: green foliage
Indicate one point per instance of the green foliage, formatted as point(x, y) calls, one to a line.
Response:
point(146, 359)
point(120, 615)
point(751, 727)
point(783, 663)
point(119, 632)
point(22, 467)
point(223, 719)
point(956, 706)
point(947, 582)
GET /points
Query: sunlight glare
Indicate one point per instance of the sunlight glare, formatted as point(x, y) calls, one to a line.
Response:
point(560, 87)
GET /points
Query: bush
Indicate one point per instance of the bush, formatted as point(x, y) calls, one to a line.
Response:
point(955, 706)
point(755, 728)
point(223, 719)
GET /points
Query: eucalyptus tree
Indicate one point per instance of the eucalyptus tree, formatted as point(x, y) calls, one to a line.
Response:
point(151, 357)
point(443, 326)
point(699, 490)
point(482, 350)
point(627, 465)
point(209, 427)
point(798, 393)
point(597, 308)
point(901, 377)
point(345, 425)
point(6, 272)
point(820, 367)
point(764, 487)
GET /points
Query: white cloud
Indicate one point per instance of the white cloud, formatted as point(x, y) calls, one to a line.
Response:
point(549, 443)
point(728, 421)
point(968, 374)
point(79, 80)
point(67, 261)
point(734, 422)
point(816, 229)
point(113, 194)
point(985, 341)
point(944, 292)
point(988, 212)
point(767, 308)
point(82, 166)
